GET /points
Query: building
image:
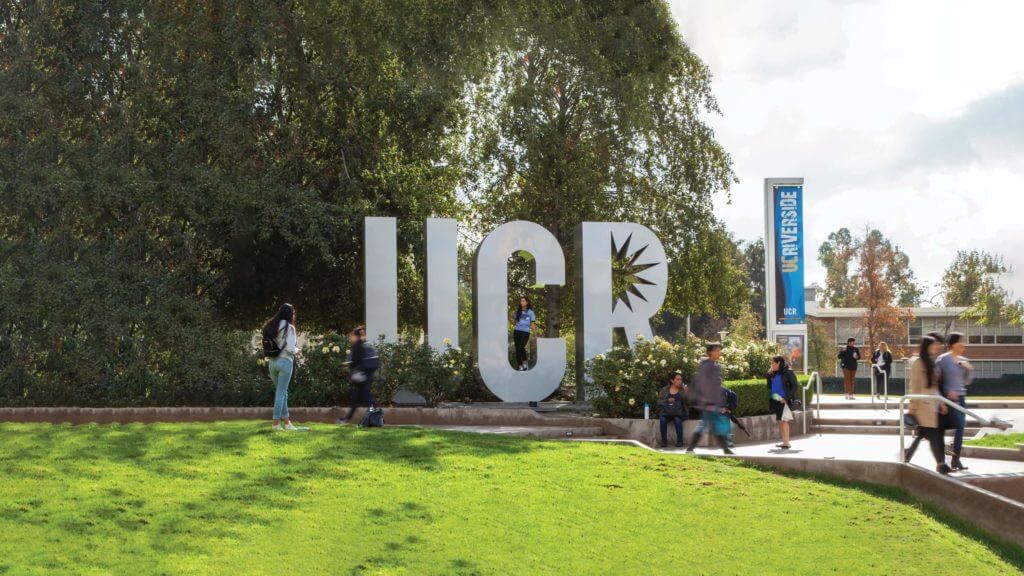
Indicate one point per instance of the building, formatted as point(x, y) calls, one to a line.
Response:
point(994, 350)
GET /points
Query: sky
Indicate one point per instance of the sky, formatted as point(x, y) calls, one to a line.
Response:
point(906, 116)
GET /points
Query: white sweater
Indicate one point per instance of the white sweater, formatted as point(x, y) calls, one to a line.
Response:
point(286, 340)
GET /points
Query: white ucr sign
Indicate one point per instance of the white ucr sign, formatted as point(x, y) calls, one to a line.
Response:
point(604, 250)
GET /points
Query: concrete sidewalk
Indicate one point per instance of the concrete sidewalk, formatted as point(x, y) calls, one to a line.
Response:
point(868, 448)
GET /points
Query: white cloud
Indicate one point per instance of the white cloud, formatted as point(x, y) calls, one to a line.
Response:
point(906, 116)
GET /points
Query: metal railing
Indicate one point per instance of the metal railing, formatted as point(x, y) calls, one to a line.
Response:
point(993, 422)
point(885, 385)
point(815, 377)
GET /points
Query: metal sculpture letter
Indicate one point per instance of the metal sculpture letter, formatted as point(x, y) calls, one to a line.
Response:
point(380, 254)
point(491, 312)
point(442, 282)
point(633, 254)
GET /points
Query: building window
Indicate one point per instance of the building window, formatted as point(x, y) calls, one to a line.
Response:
point(915, 332)
point(974, 339)
point(1009, 339)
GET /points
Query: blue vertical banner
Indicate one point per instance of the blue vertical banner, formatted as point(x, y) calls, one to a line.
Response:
point(788, 205)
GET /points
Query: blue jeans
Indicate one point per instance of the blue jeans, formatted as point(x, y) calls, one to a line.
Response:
point(957, 420)
point(281, 375)
point(677, 421)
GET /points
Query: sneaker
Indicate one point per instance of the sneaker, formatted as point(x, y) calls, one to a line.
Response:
point(293, 428)
point(276, 428)
point(728, 452)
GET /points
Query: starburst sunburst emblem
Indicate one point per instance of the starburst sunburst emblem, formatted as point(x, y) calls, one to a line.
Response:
point(626, 273)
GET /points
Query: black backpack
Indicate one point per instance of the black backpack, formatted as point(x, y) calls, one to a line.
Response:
point(370, 361)
point(731, 399)
point(270, 347)
point(373, 418)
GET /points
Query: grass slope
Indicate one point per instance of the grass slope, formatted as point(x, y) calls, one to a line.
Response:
point(234, 498)
point(998, 440)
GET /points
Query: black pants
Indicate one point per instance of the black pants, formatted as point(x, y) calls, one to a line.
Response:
point(936, 441)
point(677, 421)
point(521, 339)
point(879, 381)
point(361, 396)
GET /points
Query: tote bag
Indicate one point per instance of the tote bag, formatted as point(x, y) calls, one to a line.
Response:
point(787, 414)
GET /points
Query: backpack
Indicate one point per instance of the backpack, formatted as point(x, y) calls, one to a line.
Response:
point(373, 418)
point(370, 361)
point(731, 399)
point(270, 347)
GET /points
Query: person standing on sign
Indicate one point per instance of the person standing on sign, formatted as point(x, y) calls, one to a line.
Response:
point(881, 363)
point(709, 399)
point(848, 359)
point(523, 325)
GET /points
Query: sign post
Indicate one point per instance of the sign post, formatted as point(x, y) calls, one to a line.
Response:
point(784, 265)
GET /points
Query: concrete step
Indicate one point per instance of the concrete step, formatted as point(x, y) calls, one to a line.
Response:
point(872, 422)
point(861, 429)
point(865, 403)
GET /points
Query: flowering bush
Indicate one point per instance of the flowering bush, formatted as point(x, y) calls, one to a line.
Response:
point(321, 376)
point(416, 366)
point(623, 379)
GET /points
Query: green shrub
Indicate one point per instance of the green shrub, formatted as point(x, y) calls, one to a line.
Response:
point(417, 367)
point(624, 378)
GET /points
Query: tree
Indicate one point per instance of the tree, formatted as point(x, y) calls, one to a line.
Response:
point(594, 111)
point(821, 347)
point(754, 263)
point(842, 284)
point(881, 268)
point(835, 254)
point(170, 172)
point(972, 280)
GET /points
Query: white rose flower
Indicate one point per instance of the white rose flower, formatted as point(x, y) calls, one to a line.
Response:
point(324, 350)
point(632, 401)
point(336, 349)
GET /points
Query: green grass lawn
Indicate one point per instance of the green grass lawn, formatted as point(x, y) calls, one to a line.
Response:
point(998, 440)
point(235, 498)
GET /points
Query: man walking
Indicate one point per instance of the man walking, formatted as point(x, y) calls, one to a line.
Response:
point(848, 359)
point(709, 399)
point(955, 373)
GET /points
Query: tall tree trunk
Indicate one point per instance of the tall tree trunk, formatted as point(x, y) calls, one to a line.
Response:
point(553, 305)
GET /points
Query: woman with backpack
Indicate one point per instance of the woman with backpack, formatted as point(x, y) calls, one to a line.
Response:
point(523, 325)
point(279, 346)
point(363, 363)
point(782, 385)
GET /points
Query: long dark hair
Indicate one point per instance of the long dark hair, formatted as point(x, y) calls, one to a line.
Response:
point(519, 306)
point(926, 357)
point(783, 365)
point(286, 312)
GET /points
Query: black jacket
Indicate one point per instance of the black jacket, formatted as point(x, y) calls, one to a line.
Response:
point(886, 360)
point(675, 408)
point(789, 385)
point(848, 357)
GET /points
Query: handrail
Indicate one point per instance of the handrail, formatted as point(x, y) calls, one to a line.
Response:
point(994, 422)
point(815, 377)
point(885, 384)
